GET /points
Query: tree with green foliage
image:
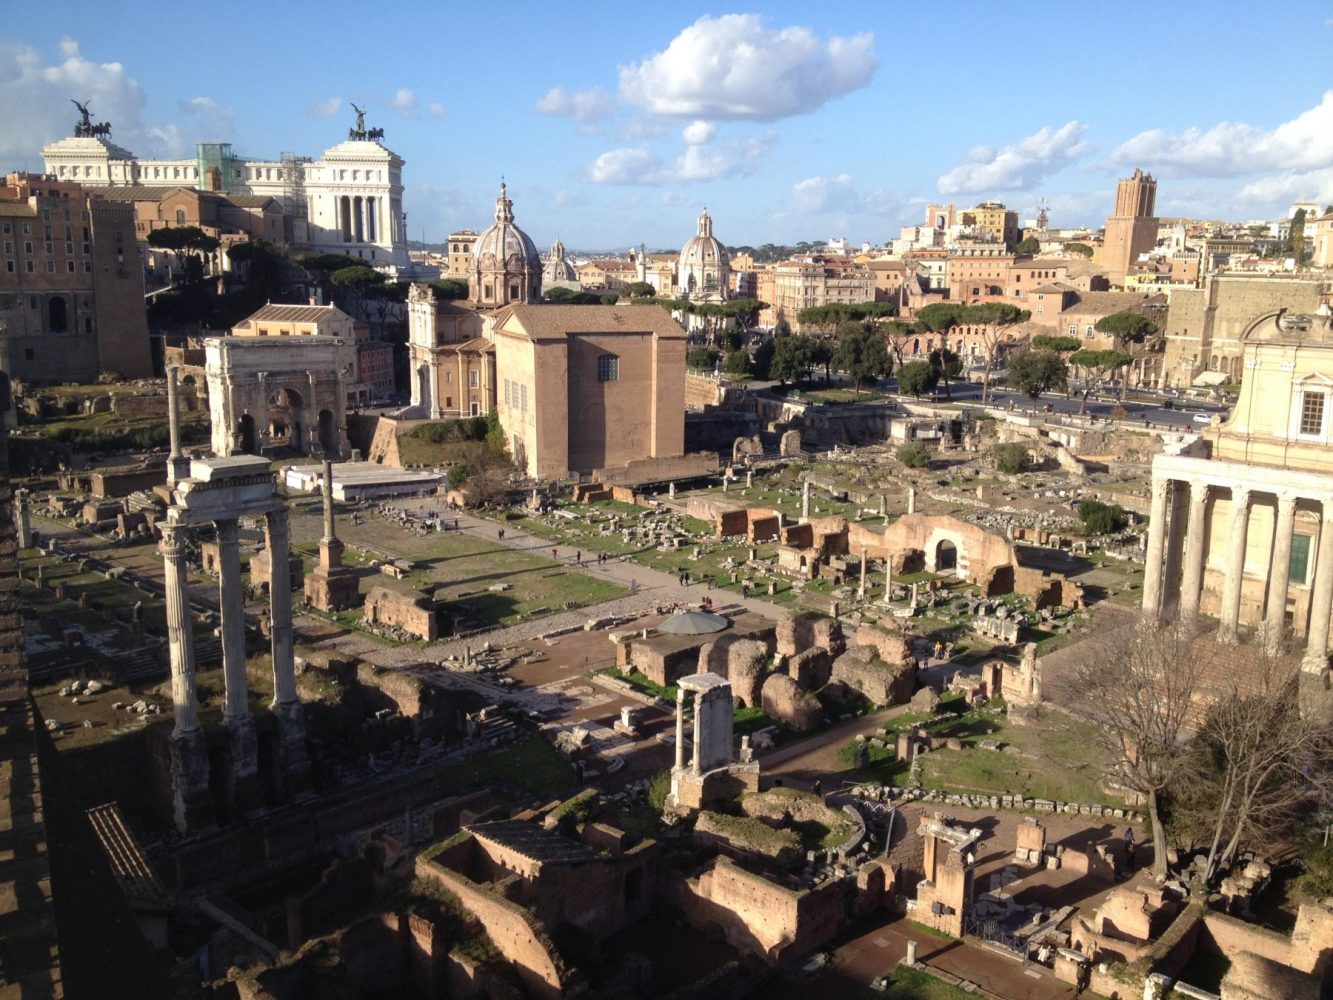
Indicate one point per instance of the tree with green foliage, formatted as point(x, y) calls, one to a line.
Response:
point(1062, 345)
point(1082, 249)
point(1296, 236)
point(451, 289)
point(1100, 363)
point(914, 455)
point(948, 366)
point(1037, 372)
point(897, 335)
point(917, 377)
point(992, 322)
point(190, 244)
point(559, 294)
point(941, 317)
point(1010, 458)
point(1102, 518)
point(793, 354)
point(609, 298)
point(353, 287)
point(638, 290)
point(827, 318)
point(821, 354)
point(702, 358)
point(737, 363)
point(1029, 246)
point(861, 353)
point(762, 361)
point(1126, 328)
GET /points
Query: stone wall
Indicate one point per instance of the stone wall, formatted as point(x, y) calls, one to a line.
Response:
point(798, 632)
point(978, 551)
point(410, 611)
point(785, 701)
point(861, 669)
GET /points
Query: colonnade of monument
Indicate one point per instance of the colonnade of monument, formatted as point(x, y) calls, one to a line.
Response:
point(1178, 543)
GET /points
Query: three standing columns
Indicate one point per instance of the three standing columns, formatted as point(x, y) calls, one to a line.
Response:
point(286, 704)
point(1279, 573)
point(1235, 576)
point(191, 804)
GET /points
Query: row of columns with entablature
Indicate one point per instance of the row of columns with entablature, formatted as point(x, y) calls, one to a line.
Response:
point(1178, 540)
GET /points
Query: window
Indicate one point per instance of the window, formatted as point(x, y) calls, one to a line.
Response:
point(28, 354)
point(474, 379)
point(1300, 558)
point(1073, 329)
point(524, 395)
point(608, 368)
point(27, 246)
point(70, 265)
point(1312, 413)
point(1089, 329)
point(9, 246)
point(87, 267)
point(9, 266)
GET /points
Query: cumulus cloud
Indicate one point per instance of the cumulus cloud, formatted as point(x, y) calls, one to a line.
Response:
point(1018, 165)
point(404, 101)
point(581, 105)
point(640, 165)
point(734, 67)
point(35, 100)
point(698, 133)
point(210, 120)
point(435, 109)
point(326, 108)
point(1279, 191)
point(1231, 149)
point(839, 196)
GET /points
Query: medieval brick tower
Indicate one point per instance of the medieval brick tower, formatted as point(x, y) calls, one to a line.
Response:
point(1131, 229)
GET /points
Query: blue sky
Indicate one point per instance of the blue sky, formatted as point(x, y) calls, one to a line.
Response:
point(614, 124)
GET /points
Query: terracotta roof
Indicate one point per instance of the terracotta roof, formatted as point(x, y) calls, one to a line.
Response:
point(251, 200)
point(291, 314)
point(476, 344)
point(142, 192)
point(1104, 303)
point(551, 322)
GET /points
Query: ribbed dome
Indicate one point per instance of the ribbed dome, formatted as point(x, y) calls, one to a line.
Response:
point(704, 263)
point(504, 239)
point(557, 267)
point(506, 267)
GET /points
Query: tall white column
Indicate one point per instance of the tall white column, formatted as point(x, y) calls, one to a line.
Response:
point(680, 727)
point(1229, 612)
point(1191, 588)
point(1175, 547)
point(178, 467)
point(235, 706)
point(180, 632)
point(1279, 573)
point(1321, 607)
point(698, 743)
point(280, 609)
point(1154, 568)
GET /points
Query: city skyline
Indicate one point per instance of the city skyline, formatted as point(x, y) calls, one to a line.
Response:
point(615, 128)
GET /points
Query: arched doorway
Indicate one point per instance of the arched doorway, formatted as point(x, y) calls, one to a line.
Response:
point(245, 435)
point(284, 420)
point(328, 433)
point(946, 557)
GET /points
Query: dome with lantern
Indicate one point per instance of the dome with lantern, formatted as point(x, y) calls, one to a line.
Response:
point(704, 264)
point(506, 267)
point(558, 268)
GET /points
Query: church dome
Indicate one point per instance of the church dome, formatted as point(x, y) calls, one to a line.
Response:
point(505, 264)
point(558, 268)
point(704, 263)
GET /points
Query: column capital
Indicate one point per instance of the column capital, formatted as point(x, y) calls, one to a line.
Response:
point(173, 540)
point(1286, 502)
point(1161, 487)
point(228, 530)
point(1199, 489)
point(1240, 497)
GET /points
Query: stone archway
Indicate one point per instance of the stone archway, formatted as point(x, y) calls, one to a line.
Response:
point(946, 557)
point(328, 433)
point(286, 410)
point(246, 439)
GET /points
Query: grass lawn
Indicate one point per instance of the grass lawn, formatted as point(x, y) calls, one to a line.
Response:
point(462, 569)
point(532, 765)
point(913, 984)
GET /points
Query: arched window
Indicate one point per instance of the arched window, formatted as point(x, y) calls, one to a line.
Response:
point(180, 216)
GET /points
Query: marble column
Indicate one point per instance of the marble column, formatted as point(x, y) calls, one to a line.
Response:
point(1321, 606)
point(23, 518)
point(1191, 587)
point(1154, 569)
point(697, 763)
point(888, 577)
point(680, 728)
point(236, 717)
point(191, 804)
point(1279, 573)
point(178, 466)
point(286, 704)
point(1229, 612)
point(805, 499)
point(1175, 547)
point(862, 592)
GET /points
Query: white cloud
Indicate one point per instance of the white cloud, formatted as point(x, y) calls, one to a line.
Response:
point(35, 101)
point(639, 165)
point(1018, 165)
point(698, 133)
point(210, 120)
point(435, 109)
point(404, 101)
point(326, 108)
point(1231, 149)
point(581, 105)
point(1279, 191)
point(733, 67)
point(838, 196)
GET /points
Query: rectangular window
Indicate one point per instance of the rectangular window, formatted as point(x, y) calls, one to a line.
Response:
point(524, 395)
point(70, 264)
point(50, 267)
point(506, 392)
point(9, 266)
point(9, 246)
point(27, 246)
point(474, 379)
point(608, 368)
point(1312, 413)
point(1073, 329)
point(87, 267)
point(1300, 558)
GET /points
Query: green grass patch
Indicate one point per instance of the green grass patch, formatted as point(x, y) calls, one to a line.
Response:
point(641, 683)
point(532, 765)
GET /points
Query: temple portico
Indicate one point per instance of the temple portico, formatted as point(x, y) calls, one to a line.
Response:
point(1251, 544)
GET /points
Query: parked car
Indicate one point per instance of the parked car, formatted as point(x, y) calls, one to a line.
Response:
point(1203, 418)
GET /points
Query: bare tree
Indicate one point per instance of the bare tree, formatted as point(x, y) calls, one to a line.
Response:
point(1257, 765)
point(1141, 689)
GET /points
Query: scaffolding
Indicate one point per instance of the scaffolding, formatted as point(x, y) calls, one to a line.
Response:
point(293, 185)
point(217, 167)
